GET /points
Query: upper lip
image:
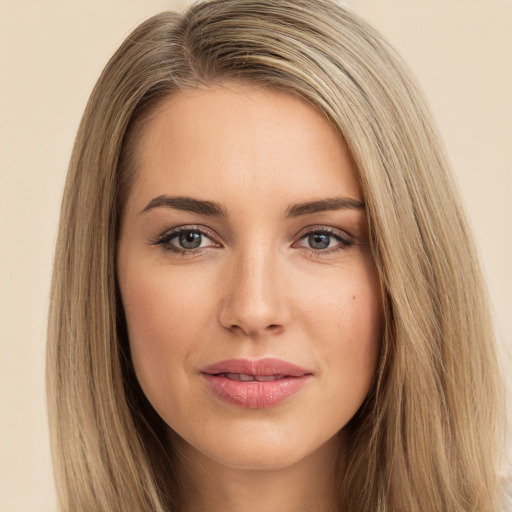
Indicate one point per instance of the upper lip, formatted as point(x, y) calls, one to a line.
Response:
point(266, 366)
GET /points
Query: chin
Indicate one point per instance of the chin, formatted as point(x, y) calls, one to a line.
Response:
point(256, 457)
point(255, 448)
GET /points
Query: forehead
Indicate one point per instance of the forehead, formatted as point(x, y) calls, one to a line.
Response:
point(233, 141)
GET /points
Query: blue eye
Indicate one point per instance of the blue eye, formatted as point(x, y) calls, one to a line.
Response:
point(185, 240)
point(191, 240)
point(319, 240)
point(325, 240)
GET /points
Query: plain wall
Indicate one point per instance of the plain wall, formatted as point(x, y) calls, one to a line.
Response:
point(51, 53)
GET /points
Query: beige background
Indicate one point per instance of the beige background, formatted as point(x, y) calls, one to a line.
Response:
point(51, 53)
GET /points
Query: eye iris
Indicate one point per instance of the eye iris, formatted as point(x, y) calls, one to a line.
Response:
point(319, 241)
point(190, 240)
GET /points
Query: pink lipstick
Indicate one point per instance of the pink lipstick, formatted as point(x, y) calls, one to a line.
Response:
point(255, 384)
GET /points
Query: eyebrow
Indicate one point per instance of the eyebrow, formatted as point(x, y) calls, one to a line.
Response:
point(214, 209)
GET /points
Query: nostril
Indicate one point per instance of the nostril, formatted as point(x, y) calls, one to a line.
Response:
point(273, 328)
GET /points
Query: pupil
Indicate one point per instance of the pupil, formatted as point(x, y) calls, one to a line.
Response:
point(319, 241)
point(190, 240)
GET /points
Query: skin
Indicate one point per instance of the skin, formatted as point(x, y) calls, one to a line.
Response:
point(254, 288)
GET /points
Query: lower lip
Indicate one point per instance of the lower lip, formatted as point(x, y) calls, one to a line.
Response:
point(254, 394)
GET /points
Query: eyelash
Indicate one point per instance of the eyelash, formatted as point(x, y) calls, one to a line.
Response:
point(345, 242)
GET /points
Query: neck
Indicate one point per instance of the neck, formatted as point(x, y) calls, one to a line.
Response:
point(308, 484)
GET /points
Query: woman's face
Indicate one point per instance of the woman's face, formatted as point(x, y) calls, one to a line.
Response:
point(251, 296)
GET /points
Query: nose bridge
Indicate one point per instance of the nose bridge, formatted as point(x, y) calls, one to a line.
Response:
point(253, 302)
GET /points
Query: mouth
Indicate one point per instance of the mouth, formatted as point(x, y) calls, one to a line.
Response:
point(249, 378)
point(238, 369)
point(255, 384)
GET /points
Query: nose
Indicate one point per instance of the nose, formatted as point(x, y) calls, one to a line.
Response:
point(253, 302)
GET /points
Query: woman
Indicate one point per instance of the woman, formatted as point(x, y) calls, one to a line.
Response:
point(265, 294)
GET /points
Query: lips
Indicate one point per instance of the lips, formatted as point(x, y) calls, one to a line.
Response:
point(255, 384)
point(248, 378)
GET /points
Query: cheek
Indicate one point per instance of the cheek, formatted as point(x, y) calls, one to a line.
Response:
point(157, 306)
point(365, 319)
point(346, 306)
point(349, 321)
point(362, 320)
point(165, 313)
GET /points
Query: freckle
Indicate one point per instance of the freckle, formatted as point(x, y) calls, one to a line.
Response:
point(353, 297)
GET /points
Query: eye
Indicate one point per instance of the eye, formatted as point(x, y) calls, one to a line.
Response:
point(190, 240)
point(185, 240)
point(325, 240)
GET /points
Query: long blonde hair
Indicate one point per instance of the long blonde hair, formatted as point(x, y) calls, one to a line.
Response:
point(428, 436)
